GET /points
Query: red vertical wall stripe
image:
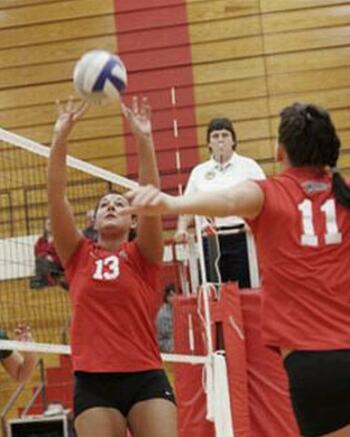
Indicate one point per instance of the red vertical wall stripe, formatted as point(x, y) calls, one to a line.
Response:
point(153, 41)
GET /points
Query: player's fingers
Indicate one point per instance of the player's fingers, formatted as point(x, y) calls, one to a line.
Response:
point(126, 111)
point(143, 106)
point(59, 107)
point(135, 105)
point(81, 109)
point(70, 104)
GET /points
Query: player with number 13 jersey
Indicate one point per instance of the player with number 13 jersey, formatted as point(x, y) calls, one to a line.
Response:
point(113, 308)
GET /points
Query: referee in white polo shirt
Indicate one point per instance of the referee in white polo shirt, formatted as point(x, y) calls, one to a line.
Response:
point(225, 167)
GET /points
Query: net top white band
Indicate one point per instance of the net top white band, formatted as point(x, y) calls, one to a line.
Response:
point(66, 350)
point(78, 164)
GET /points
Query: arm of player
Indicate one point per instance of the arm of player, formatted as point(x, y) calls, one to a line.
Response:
point(66, 234)
point(244, 200)
point(20, 366)
point(149, 229)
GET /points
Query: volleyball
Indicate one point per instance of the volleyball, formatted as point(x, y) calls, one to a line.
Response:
point(100, 76)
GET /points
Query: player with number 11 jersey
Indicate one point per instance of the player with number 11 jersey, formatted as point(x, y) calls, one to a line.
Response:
point(306, 233)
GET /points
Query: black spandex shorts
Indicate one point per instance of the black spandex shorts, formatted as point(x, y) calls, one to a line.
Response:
point(319, 383)
point(119, 390)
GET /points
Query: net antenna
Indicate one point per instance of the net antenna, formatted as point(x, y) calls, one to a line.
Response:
point(184, 265)
point(186, 252)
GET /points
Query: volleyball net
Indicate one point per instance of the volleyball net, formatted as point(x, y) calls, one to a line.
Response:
point(33, 289)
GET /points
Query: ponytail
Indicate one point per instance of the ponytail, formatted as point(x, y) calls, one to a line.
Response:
point(341, 189)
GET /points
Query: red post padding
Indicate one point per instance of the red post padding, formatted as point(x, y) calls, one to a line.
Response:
point(260, 404)
point(269, 404)
point(190, 396)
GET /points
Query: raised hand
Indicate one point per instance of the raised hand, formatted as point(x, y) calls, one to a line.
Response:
point(68, 115)
point(23, 333)
point(139, 117)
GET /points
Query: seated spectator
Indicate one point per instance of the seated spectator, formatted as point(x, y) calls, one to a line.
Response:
point(164, 321)
point(90, 232)
point(48, 267)
point(19, 366)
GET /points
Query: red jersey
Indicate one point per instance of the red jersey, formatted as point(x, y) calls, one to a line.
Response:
point(303, 239)
point(115, 298)
point(43, 247)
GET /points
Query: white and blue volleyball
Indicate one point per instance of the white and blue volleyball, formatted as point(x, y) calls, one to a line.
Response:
point(100, 76)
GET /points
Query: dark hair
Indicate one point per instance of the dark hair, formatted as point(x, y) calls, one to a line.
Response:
point(309, 137)
point(169, 290)
point(218, 124)
point(132, 233)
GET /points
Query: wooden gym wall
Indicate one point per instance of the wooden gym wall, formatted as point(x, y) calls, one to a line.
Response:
point(245, 59)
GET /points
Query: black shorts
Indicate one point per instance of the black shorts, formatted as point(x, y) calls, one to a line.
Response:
point(119, 390)
point(319, 384)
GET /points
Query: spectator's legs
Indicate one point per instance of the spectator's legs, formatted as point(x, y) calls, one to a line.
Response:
point(234, 259)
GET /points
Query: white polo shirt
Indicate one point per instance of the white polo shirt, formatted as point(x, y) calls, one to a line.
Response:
point(212, 176)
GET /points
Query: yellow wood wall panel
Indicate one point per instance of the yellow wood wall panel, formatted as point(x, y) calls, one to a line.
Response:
point(58, 51)
point(344, 161)
point(344, 136)
point(51, 12)
point(5, 4)
point(313, 18)
point(308, 60)
point(219, 50)
point(45, 113)
point(257, 149)
point(112, 164)
point(340, 118)
point(268, 167)
point(285, 5)
point(310, 80)
point(36, 74)
point(88, 128)
point(221, 9)
point(225, 29)
point(230, 90)
point(241, 110)
point(57, 31)
point(330, 99)
point(34, 95)
point(309, 39)
point(228, 70)
point(98, 147)
point(85, 149)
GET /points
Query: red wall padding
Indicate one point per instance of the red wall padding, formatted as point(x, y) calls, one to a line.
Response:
point(153, 41)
